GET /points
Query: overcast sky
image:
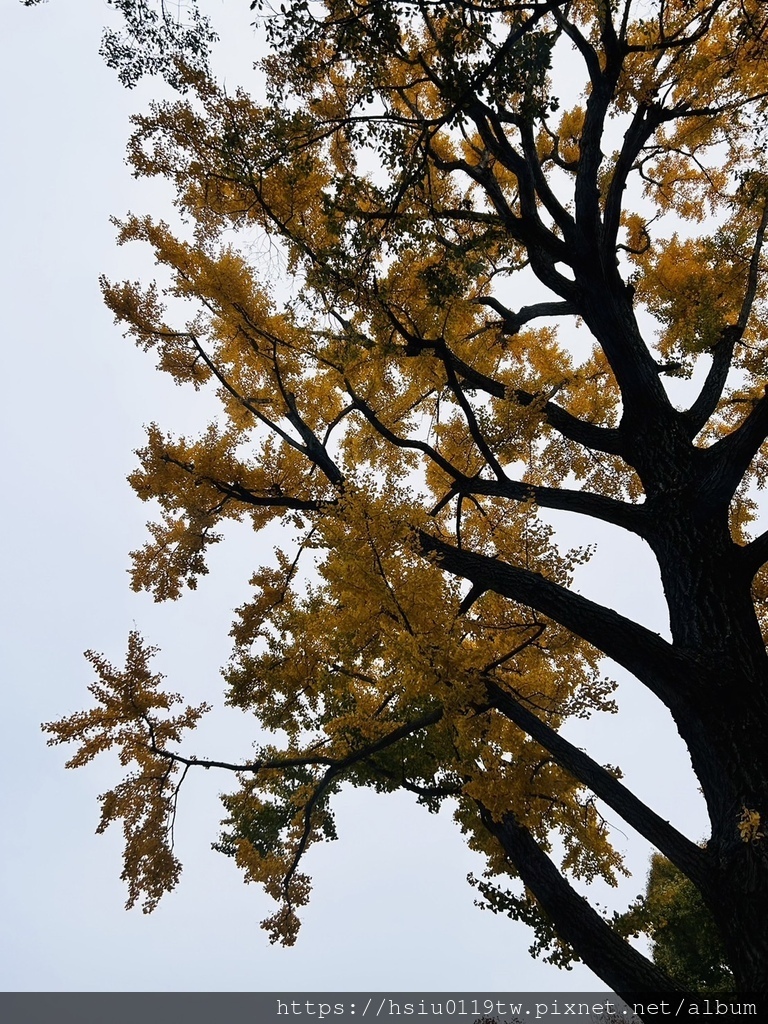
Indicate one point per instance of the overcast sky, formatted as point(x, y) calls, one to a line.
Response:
point(391, 906)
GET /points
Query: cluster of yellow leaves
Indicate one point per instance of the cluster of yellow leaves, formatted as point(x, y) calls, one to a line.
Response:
point(749, 826)
point(374, 672)
point(130, 717)
point(695, 288)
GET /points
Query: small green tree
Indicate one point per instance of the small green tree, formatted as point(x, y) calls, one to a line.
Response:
point(685, 940)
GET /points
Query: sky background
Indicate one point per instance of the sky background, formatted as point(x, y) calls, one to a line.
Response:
point(391, 908)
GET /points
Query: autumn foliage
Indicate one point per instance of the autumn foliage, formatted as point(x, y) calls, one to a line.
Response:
point(439, 279)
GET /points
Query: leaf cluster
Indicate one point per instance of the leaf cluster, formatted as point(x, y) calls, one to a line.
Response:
point(130, 716)
point(684, 938)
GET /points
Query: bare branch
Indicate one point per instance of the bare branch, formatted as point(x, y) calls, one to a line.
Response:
point(513, 322)
point(673, 844)
point(597, 506)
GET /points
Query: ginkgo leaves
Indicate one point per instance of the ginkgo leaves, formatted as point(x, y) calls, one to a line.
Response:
point(700, 288)
point(132, 715)
point(375, 678)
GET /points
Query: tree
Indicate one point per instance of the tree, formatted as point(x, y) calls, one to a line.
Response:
point(685, 941)
point(483, 277)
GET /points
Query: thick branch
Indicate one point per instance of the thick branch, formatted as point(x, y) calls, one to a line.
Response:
point(588, 54)
point(621, 967)
point(312, 448)
point(755, 555)
point(403, 442)
point(680, 850)
point(586, 189)
point(679, 39)
point(644, 123)
point(561, 216)
point(729, 458)
point(452, 373)
point(604, 439)
point(599, 439)
point(545, 248)
point(712, 389)
point(655, 662)
point(597, 506)
point(514, 321)
point(472, 423)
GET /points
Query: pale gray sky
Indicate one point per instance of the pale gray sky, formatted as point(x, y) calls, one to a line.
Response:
point(391, 908)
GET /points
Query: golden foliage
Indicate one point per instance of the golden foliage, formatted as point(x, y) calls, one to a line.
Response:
point(749, 826)
point(408, 176)
point(126, 718)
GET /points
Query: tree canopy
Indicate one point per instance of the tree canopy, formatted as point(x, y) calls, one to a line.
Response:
point(438, 278)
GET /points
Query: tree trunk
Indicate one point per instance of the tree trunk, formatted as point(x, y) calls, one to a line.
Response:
point(723, 714)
